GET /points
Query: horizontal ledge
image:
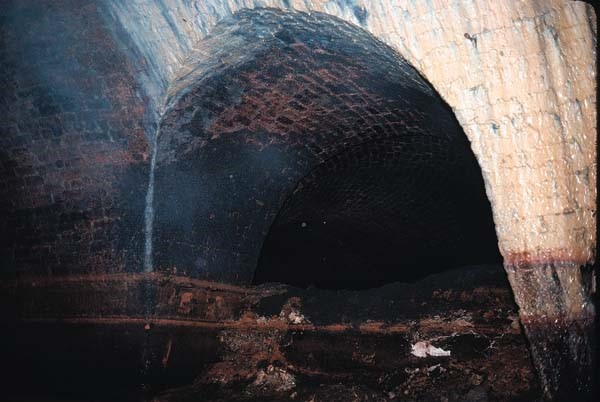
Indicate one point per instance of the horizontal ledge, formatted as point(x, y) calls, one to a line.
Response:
point(424, 325)
point(42, 281)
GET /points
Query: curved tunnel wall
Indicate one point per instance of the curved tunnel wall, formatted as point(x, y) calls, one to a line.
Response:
point(77, 107)
point(394, 209)
point(291, 93)
point(73, 143)
point(85, 76)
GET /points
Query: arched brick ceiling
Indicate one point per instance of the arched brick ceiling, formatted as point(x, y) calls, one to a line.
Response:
point(294, 94)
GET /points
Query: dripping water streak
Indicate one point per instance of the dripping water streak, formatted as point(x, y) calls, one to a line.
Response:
point(149, 212)
point(147, 355)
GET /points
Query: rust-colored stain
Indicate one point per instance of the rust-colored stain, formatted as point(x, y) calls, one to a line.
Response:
point(531, 259)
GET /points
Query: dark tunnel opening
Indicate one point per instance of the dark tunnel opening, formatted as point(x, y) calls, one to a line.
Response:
point(404, 201)
point(313, 155)
point(384, 211)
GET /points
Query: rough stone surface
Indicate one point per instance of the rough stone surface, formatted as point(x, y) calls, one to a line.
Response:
point(558, 314)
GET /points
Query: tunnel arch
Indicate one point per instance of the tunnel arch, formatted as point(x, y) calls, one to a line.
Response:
point(474, 55)
point(264, 100)
point(519, 77)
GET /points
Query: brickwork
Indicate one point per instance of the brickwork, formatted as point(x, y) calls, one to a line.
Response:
point(253, 104)
point(235, 142)
point(72, 144)
point(520, 77)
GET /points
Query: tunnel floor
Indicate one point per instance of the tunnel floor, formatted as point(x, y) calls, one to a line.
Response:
point(369, 346)
point(214, 342)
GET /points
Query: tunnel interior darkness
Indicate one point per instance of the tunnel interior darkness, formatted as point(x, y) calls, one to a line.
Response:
point(384, 211)
point(303, 150)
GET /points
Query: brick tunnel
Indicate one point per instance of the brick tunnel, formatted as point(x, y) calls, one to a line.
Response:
point(324, 127)
point(276, 205)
